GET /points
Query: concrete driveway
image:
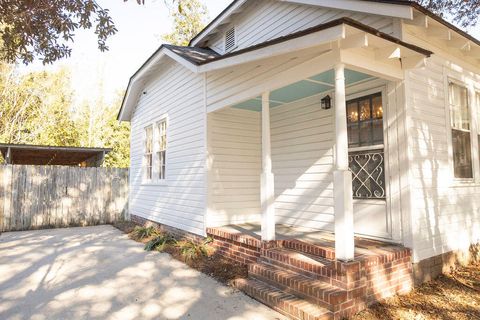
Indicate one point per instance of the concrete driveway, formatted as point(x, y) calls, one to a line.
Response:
point(98, 273)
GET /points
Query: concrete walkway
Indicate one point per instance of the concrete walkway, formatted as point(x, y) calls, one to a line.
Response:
point(98, 273)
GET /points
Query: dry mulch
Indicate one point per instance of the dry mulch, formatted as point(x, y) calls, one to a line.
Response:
point(213, 265)
point(449, 297)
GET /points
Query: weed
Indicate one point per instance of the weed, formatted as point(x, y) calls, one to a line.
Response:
point(191, 250)
point(160, 242)
point(140, 233)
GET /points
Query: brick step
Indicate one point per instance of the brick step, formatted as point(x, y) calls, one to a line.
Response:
point(290, 305)
point(315, 291)
point(320, 249)
point(315, 267)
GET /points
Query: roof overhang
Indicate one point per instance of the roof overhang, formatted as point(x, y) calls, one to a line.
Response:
point(50, 155)
point(340, 34)
point(390, 9)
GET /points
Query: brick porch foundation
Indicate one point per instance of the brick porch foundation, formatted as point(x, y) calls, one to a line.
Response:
point(304, 281)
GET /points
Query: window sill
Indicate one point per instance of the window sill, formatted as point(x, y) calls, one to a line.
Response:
point(463, 183)
point(154, 183)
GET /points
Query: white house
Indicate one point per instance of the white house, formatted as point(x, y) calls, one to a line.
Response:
point(346, 117)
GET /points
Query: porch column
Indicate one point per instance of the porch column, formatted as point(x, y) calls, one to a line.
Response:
point(342, 177)
point(266, 180)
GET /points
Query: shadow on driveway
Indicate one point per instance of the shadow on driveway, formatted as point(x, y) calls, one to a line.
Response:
point(98, 273)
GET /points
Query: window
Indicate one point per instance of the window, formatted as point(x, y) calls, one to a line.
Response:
point(148, 157)
point(460, 122)
point(230, 40)
point(161, 148)
point(365, 121)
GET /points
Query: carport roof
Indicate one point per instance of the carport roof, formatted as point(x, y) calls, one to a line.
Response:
point(50, 155)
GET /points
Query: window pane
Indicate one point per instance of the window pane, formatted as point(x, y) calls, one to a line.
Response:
point(377, 107)
point(377, 131)
point(460, 116)
point(365, 133)
point(462, 158)
point(352, 112)
point(364, 109)
point(353, 135)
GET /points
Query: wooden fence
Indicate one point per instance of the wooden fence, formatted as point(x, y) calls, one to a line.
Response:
point(35, 197)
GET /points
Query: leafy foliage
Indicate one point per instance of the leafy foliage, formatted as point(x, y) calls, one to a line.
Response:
point(159, 243)
point(465, 13)
point(36, 108)
point(189, 18)
point(140, 233)
point(43, 27)
point(191, 250)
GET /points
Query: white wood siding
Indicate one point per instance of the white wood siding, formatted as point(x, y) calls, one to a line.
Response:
point(263, 20)
point(177, 93)
point(235, 156)
point(445, 214)
point(302, 154)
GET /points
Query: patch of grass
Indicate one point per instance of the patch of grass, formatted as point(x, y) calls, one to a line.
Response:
point(140, 233)
point(160, 242)
point(191, 250)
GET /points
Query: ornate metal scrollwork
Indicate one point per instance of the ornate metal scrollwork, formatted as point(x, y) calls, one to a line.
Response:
point(368, 174)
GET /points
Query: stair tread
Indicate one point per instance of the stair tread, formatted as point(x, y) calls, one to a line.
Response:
point(305, 257)
point(306, 307)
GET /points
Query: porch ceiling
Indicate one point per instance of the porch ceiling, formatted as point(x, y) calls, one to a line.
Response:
point(315, 85)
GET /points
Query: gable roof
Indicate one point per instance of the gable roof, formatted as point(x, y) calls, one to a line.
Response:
point(339, 4)
point(200, 60)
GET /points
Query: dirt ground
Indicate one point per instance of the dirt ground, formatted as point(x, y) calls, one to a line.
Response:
point(449, 297)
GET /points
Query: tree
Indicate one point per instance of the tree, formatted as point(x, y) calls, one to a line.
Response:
point(465, 13)
point(36, 108)
point(189, 18)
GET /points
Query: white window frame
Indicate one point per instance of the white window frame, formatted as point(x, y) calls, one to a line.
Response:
point(158, 149)
point(155, 151)
point(145, 167)
point(462, 81)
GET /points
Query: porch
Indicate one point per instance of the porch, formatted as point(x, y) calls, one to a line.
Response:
point(299, 275)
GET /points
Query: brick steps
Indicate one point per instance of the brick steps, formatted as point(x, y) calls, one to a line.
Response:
point(315, 291)
point(288, 304)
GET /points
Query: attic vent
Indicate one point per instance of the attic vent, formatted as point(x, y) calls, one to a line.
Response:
point(230, 42)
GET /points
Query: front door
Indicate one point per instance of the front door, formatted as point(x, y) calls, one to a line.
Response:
point(367, 163)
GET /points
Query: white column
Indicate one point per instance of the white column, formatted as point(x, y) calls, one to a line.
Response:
point(267, 179)
point(342, 177)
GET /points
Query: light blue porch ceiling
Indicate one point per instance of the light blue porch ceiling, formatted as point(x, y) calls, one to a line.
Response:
point(302, 89)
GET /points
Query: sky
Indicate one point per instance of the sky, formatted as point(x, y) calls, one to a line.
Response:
point(104, 74)
point(98, 74)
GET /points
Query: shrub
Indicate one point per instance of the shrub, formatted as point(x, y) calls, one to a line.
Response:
point(191, 250)
point(140, 233)
point(160, 242)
